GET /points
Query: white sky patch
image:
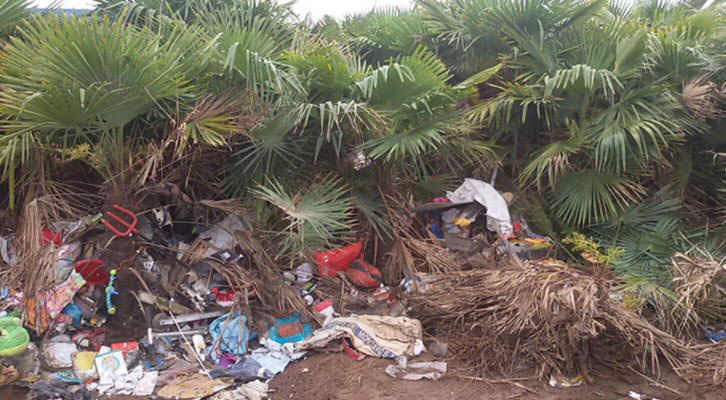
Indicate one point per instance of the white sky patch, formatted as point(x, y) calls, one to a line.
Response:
point(315, 8)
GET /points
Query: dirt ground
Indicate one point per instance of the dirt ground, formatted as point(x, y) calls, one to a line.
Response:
point(338, 377)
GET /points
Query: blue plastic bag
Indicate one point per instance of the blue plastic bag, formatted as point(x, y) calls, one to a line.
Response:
point(235, 336)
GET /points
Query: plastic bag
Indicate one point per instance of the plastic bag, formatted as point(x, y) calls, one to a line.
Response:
point(235, 336)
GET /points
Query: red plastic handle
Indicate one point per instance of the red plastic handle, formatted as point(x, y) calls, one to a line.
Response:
point(129, 225)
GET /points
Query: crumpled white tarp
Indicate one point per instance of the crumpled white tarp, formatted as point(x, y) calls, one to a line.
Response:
point(498, 218)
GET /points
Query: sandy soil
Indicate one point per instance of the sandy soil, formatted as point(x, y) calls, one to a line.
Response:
point(338, 377)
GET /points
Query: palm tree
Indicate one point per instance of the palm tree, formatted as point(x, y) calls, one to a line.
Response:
point(599, 106)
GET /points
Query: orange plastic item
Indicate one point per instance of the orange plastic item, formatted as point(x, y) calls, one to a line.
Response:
point(331, 261)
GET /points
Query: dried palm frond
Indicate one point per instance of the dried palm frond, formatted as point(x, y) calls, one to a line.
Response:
point(229, 206)
point(411, 250)
point(36, 271)
point(559, 319)
point(268, 282)
point(699, 280)
point(543, 316)
point(703, 98)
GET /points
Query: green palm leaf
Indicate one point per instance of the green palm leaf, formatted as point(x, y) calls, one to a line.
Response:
point(553, 160)
point(587, 196)
point(314, 216)
point(271, 153)
point(11, 13)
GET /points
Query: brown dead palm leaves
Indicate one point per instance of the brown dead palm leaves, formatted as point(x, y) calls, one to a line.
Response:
point(703, 98)
point(554, 319)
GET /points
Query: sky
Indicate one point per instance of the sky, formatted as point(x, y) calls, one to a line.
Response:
point(316, 8)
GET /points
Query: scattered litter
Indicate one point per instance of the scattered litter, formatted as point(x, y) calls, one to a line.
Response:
point(57, 353)
point(438, 349)
point(8, 375)
point(222, 235)
point(416, 371)
point(245, 370)
point(111, 367)
point(304, 273)
point(289, 329)
point(14, 338)
point(255, 390)
point(195, 310)
point(63, 294)
point(561, 381)
point(146, 384)
point(7, 251)
point(497, 209)
point(637, 396)
point(84, 365)
point(193, 387)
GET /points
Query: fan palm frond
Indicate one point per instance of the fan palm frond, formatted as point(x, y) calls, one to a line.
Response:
point(587, 196)
point(11, 13)
point(385, 33)
point(314, 216)
point(271, 153)
point(553, 160)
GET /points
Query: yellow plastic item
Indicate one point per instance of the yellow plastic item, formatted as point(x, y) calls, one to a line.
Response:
point(462, 222)
point(83, 364)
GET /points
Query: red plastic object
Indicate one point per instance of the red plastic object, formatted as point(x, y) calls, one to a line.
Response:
point(92, 272)
point(331, 261)
point(364, 275)
point(351, 351)
point(49, 236)
point(125, 347)
point(129, 225)
point(323, 305)
point(224, 297)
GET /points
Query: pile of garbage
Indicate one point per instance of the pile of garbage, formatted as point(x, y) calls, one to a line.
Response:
point(160, 302)
point(504, 302)
point(138, 304)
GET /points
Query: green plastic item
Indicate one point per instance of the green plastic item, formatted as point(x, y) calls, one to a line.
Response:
point(14, 338)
